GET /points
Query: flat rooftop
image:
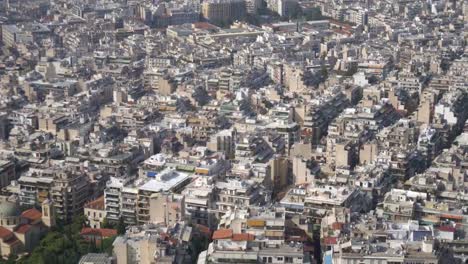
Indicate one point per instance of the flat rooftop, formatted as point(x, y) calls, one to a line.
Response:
point(166, 180)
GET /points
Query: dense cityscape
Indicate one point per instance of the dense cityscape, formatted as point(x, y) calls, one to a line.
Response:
point(234, 131)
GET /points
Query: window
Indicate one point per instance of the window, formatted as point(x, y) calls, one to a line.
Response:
point(279, 258)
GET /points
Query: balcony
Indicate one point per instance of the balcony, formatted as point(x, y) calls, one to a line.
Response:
point(128, 210)
point(143, 201)
point(112, 210)
point(111, 198)
point(128, 201)
point(113, 216)
point(28, 191)
point(112, 191)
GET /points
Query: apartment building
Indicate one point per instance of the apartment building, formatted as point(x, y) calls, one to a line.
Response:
point(200, 202)
point(223, 10)
point(68, 189)
point(234, 193)
point(7, 173)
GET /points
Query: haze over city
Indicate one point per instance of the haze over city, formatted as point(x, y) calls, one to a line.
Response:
point(233, 131)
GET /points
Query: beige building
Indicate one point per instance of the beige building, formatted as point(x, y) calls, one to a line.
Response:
point(368, 152)
point(222, 141)
point(465, 11)
point(52, 124)
point(153, 244)
point(95, 212)
point(223, 10)
point(68, 188)
point(167, 208)
point(294, 78)
point(166, 86)
point(344, 156)
point(22, 231)
point(301, 173)
point(425, 111)
point(279, 172)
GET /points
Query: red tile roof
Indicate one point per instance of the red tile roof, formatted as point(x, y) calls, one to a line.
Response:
point(204, 25)
point(337, 226)
point(243, 237)
point(4, 233)
point(449, 216)
point(222, 234)
point(12, 240)
point(97, 204)
point(447, 229)
point(164, 236)
point(203, 229)
point(308, 247)
point(32, 214)
point(22, 229)
point(330, 241)
point(104, 232)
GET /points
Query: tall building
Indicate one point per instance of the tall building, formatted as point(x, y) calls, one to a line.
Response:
point(48, 213)
point(7, 173)
point(24, 33)
point(219, 11)
point(279, 167)
point(167, 208)
point(465, 11)
point(223, 141)
point(68, 189)
point(4, 123)
point(285, 7)
point(252, 6)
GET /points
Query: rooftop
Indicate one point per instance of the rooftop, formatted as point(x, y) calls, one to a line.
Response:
point(166, 180)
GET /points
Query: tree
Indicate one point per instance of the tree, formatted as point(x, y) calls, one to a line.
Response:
point(107, 245)
point(65, 245)
point(10, 260)
point(92, 246)
point(313, 14)
point(197, 245)
point(295, 12)
point(121, 226)
point(77, 224)
point(324, 73)
point(106, 223)
point(252, 19)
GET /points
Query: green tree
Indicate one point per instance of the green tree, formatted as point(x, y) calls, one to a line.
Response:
point(106, 224)
point(351, 70)
point(295, 12)
point(313, 14)
point(107, 245)
point(12, 259)
point(324, 72)
point(63, 245)
point(121, 226)
point(77, 224)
